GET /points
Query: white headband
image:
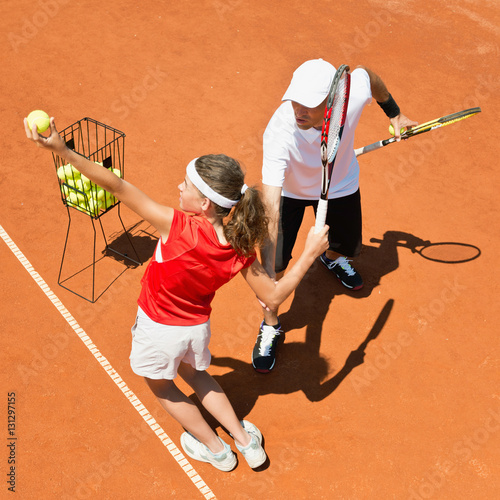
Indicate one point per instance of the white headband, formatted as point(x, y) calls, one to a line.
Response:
point(205, 189)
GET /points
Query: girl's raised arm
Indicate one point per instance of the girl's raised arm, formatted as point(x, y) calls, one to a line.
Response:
point(156, 214)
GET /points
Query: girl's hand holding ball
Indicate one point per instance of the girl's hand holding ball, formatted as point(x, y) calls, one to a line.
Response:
point(40, 119)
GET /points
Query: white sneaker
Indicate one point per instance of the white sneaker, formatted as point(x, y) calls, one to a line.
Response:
point(254, 453)
point(225, 460)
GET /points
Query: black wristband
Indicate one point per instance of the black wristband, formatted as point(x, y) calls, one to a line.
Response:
point(389, 107)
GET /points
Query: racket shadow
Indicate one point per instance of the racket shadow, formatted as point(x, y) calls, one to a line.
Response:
point(378, 261)
point(445, 252)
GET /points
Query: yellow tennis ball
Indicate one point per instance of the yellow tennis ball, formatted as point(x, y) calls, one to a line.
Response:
point(74, 172)
point(61, 173)
point(100, 194)
point(391, 129)
point(87, 185)
point(73, 197)
point(40, 119)
point(82, 185)
point(68, 170)
point(91, 206)
point(109, 200)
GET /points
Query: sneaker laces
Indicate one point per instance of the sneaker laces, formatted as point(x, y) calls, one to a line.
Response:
point(344, 264)
point(267, 336)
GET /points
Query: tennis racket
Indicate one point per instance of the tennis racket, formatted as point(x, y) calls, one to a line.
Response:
point(420, 129)
point(331, 134)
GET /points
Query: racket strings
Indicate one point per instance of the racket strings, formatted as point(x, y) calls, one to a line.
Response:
point(337, 117)
point(460, 118)
point(441, 122)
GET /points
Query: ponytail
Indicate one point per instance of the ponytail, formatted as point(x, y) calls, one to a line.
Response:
point(247, 227)
point(247, 224)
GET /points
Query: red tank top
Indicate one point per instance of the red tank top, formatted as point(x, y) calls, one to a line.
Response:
point(178, 288)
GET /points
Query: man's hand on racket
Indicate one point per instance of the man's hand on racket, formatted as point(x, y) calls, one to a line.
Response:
point(53, 142)
point(412, 131)
point(382, 95)
point(399, 122)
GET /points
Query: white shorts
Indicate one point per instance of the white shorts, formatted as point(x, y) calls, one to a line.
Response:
point(157, 350)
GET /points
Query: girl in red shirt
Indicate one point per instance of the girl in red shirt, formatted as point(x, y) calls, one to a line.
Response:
point(196, 254)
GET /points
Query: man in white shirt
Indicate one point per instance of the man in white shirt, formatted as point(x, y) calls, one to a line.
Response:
point(291, 178)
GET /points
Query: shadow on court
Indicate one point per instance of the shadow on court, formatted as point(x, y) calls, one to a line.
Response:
point(138, 243)
point(445, 252)
point(377, 261)
point(244, 386)
point(312, 300)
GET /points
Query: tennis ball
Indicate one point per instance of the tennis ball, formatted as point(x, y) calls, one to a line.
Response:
point(68, 170)
point(65, 172)
point(76, 174)
point(95, 206)
point(82, 185)
point(96, 192)
point(391, 129)
point(100, 194)
point(40, 119)
point(73, 197)
point(61, 173)
point(110, 200)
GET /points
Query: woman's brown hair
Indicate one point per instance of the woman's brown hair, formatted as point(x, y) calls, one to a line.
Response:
point(246, 228)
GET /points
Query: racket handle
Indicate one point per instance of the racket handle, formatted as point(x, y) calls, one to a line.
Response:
point(373, 147)
point(368, 149)
point(321, 215)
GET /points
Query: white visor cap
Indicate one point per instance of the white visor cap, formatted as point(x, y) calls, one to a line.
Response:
point(310, 83)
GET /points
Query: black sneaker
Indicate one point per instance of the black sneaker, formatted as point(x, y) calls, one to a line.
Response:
point(264, 351)
point(345, 273)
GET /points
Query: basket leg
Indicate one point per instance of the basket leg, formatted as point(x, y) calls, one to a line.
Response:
point(64, 250)
point(93, 262)
point(106, 246)
point(61, 281)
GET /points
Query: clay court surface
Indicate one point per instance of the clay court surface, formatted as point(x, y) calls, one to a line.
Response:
point(387, 393)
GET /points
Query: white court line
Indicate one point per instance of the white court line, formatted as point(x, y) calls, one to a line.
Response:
point(132, 398)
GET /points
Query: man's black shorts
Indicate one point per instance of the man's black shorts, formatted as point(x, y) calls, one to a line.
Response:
point(344, 219)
